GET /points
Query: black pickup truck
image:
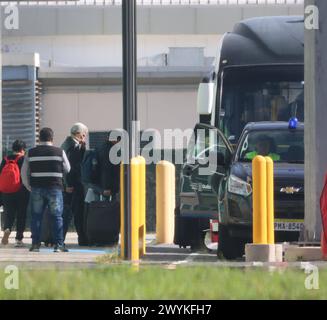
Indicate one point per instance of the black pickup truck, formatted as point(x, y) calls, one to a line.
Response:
point(233, 184)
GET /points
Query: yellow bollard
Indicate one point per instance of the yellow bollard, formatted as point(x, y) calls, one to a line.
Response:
point(122, 240)
point(165, 202)
point(270, 201)
point(263, 248)
point(138, 208)
point(259, 200)
point(135, 206)
point(142, 224)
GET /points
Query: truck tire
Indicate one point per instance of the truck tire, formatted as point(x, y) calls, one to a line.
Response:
point(199, 244)
point(230, 247)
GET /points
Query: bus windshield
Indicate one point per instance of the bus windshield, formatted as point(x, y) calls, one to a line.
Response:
point(260, 96)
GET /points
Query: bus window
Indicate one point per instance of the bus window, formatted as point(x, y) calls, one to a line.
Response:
point(251, 98)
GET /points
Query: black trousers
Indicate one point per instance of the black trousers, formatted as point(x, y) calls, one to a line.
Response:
point(74, 207)
point(15, 207)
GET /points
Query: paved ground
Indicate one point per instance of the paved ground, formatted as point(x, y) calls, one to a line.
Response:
point(87, 256)
point(169, 256)
point(46, 256)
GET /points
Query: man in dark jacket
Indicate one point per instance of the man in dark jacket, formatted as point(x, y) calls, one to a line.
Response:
point(15, 204)
point(74, 146)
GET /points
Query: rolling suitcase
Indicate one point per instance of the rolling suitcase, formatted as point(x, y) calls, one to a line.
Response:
point(103, 222)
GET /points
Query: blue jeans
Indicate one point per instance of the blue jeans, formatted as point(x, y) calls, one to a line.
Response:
point(42, 198)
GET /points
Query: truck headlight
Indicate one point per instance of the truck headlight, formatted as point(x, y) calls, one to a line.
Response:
point(238, 186)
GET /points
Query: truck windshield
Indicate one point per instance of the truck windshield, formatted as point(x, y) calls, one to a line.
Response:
point(280, 145)
point(260, 95)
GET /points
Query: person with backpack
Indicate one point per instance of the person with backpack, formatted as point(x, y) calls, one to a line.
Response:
point(42, 173)
point(102, 214)
point(99, 173)
point(90, 169)
point(15, 196)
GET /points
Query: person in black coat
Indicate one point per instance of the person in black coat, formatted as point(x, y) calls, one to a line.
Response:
point(74, 146)
point(15, 204)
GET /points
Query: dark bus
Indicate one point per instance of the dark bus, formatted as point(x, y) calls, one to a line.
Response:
point(258, 76)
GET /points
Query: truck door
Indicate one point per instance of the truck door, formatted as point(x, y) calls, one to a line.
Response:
point(206, 150)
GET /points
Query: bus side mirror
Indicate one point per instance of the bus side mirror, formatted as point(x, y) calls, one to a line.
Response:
point(205, 98)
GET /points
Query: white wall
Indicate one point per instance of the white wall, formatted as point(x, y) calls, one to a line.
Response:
point(158, 108)
point(95, 51)
point(100, 111)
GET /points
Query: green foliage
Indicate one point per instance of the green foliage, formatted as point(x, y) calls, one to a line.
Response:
point(147, 282)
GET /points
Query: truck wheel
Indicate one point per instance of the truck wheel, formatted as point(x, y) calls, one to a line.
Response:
point(231, 248)
point(199, 245)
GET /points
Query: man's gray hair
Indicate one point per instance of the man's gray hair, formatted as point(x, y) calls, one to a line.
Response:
point(79, 128)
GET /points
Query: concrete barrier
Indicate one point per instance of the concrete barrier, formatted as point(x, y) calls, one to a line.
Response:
point(165, 202)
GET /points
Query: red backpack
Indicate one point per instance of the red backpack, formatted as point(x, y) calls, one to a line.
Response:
point(10, 181)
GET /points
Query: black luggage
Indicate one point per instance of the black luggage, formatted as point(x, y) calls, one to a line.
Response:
point(46, 229)
point(103, 222)
point(189, 232)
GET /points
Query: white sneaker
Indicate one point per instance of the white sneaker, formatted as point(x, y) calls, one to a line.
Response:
point(5, 238)
point(19, 244)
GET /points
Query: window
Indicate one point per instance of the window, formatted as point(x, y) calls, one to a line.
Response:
point(265, 95)
point(287, 145)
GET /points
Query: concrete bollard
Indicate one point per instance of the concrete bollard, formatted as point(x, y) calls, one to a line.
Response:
point(259, 169)
point(135, 206)
point(138, 208)
point(165, 202)
point(260, 253)
point(263, 252)
point(142, 230)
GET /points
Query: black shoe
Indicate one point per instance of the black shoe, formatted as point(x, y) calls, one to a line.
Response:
point(35, 248)
point(58, 248)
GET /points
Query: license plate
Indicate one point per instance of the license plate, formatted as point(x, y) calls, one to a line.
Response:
point(289, 225)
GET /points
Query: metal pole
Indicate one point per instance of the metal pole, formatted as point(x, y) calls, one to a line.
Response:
point(129, 107)
point(315, 120)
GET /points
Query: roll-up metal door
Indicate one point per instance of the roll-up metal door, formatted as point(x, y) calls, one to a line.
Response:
point(21, 105)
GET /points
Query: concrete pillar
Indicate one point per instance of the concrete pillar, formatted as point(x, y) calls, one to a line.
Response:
point(315, 119)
